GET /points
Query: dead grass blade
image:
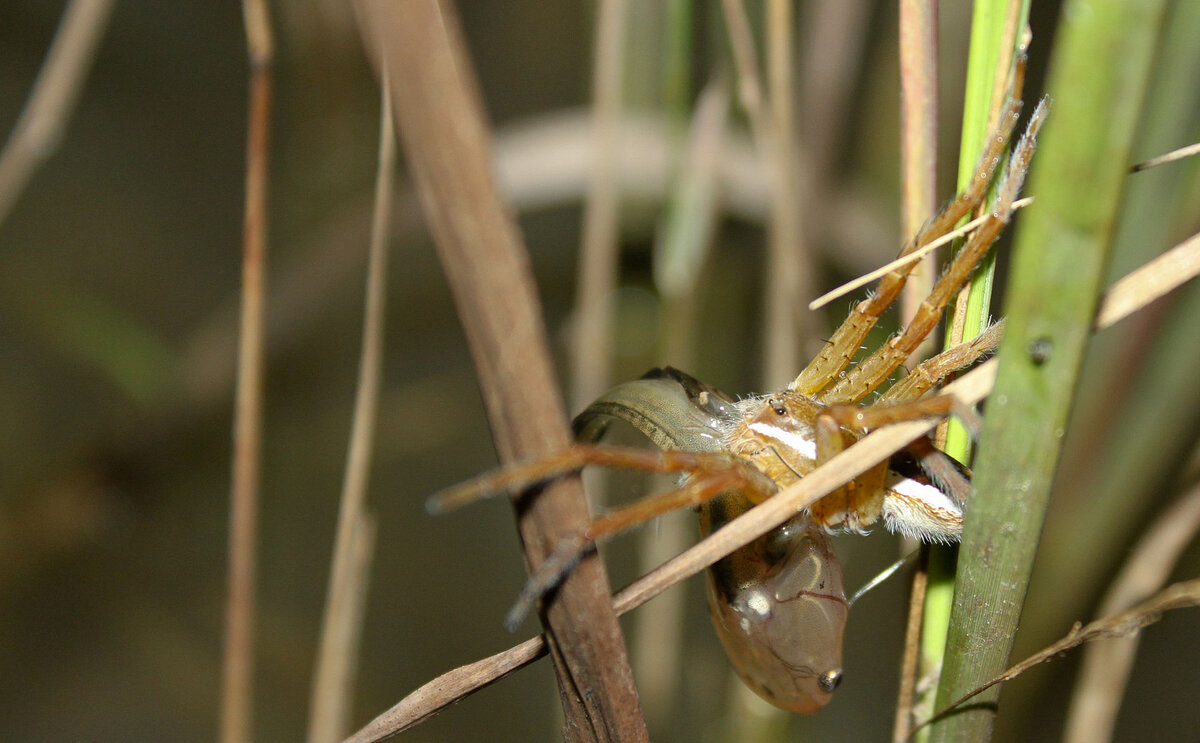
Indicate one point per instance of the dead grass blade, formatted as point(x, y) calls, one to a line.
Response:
point(40, 127)
point(447, 147)
point(341, 627)
point(237, 688)
point(1122, 624)
point(1104, 674)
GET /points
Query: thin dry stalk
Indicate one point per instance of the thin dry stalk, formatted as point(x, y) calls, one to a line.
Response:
point(907, 258)
point(40, 127)
point(1096, 699)
point(447, 146)
point(1170, 157)
point(1176, 596)
point(906, 695)
point(875, 447)
point(918, 202)
point(237, 690)
point(787, 277)
point(341, 628)
point(593, 338)
point(782, 271)
point(918, 139)
point(1158, 277)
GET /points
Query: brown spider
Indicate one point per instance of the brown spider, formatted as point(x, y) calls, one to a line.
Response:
point(778, 602)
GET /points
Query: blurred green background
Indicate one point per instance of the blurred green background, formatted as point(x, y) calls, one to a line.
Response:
point(119, 275)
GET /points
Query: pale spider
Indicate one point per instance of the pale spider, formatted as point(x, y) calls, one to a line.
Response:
point(778, 603)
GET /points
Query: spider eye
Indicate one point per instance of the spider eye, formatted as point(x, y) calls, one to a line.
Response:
point(777, 406)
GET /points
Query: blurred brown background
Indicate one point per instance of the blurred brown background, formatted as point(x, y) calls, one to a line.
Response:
point(119, 273)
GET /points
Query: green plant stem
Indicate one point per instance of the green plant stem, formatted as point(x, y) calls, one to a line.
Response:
point(987, 37)
point(1058, 266)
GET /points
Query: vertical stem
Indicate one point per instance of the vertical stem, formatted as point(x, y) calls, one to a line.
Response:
point(786, 282)
point(447, 146)
point(237, 690)
point(593, 338)
point(918, 136)
point(40, 127)
point(918, 165)
point(1058, 265)
point(337, 653)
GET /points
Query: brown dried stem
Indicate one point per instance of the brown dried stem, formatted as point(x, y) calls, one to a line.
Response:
point(1122, 624)
point(918, 137)
point(447, 145)
point(40, 127)
point(591, 350)
point(918, 176)
point(1104, 674)
point(341, 628)
point(237, 690)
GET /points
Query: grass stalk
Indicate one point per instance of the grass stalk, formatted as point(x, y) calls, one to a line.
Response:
point(448, 149)
point(918, 202)
point(345, 601)
point(1058, 266)
point(592, 342)
point(237, 681)
point(993, 39)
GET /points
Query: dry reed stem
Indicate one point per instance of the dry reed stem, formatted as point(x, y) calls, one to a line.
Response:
point(39, 129)
point(788, 275)
point(1158, 277)
point(918, 140)
point(237, 690)
point(341, 627)
point(907, 258)
point(447, 146)
point(1170, 157)
point(1096, 698)
point(918, 202)
point(877, 446)
point(591, 349)
point(1176, 596)
point(910, 660)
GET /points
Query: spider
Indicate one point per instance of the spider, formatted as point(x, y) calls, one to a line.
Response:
point(778, 603)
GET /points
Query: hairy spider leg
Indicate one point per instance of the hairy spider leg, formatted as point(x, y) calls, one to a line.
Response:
point(845, 341)
point(711, 475)
point(933, 371)
point(873, 370)
point(704, 485)
point(883, 492)
point(521, 476)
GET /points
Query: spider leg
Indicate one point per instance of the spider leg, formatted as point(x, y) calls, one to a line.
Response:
point(860, 418)
point(702, 487)
point(947, 473)
point(868, 375)
point(857, 504)
point(932, 372)
point(918, 494)
point(524, 475)
point(845, 341)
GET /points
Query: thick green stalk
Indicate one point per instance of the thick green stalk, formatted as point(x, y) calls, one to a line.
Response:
point(1098, 77)
point(987, 37)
